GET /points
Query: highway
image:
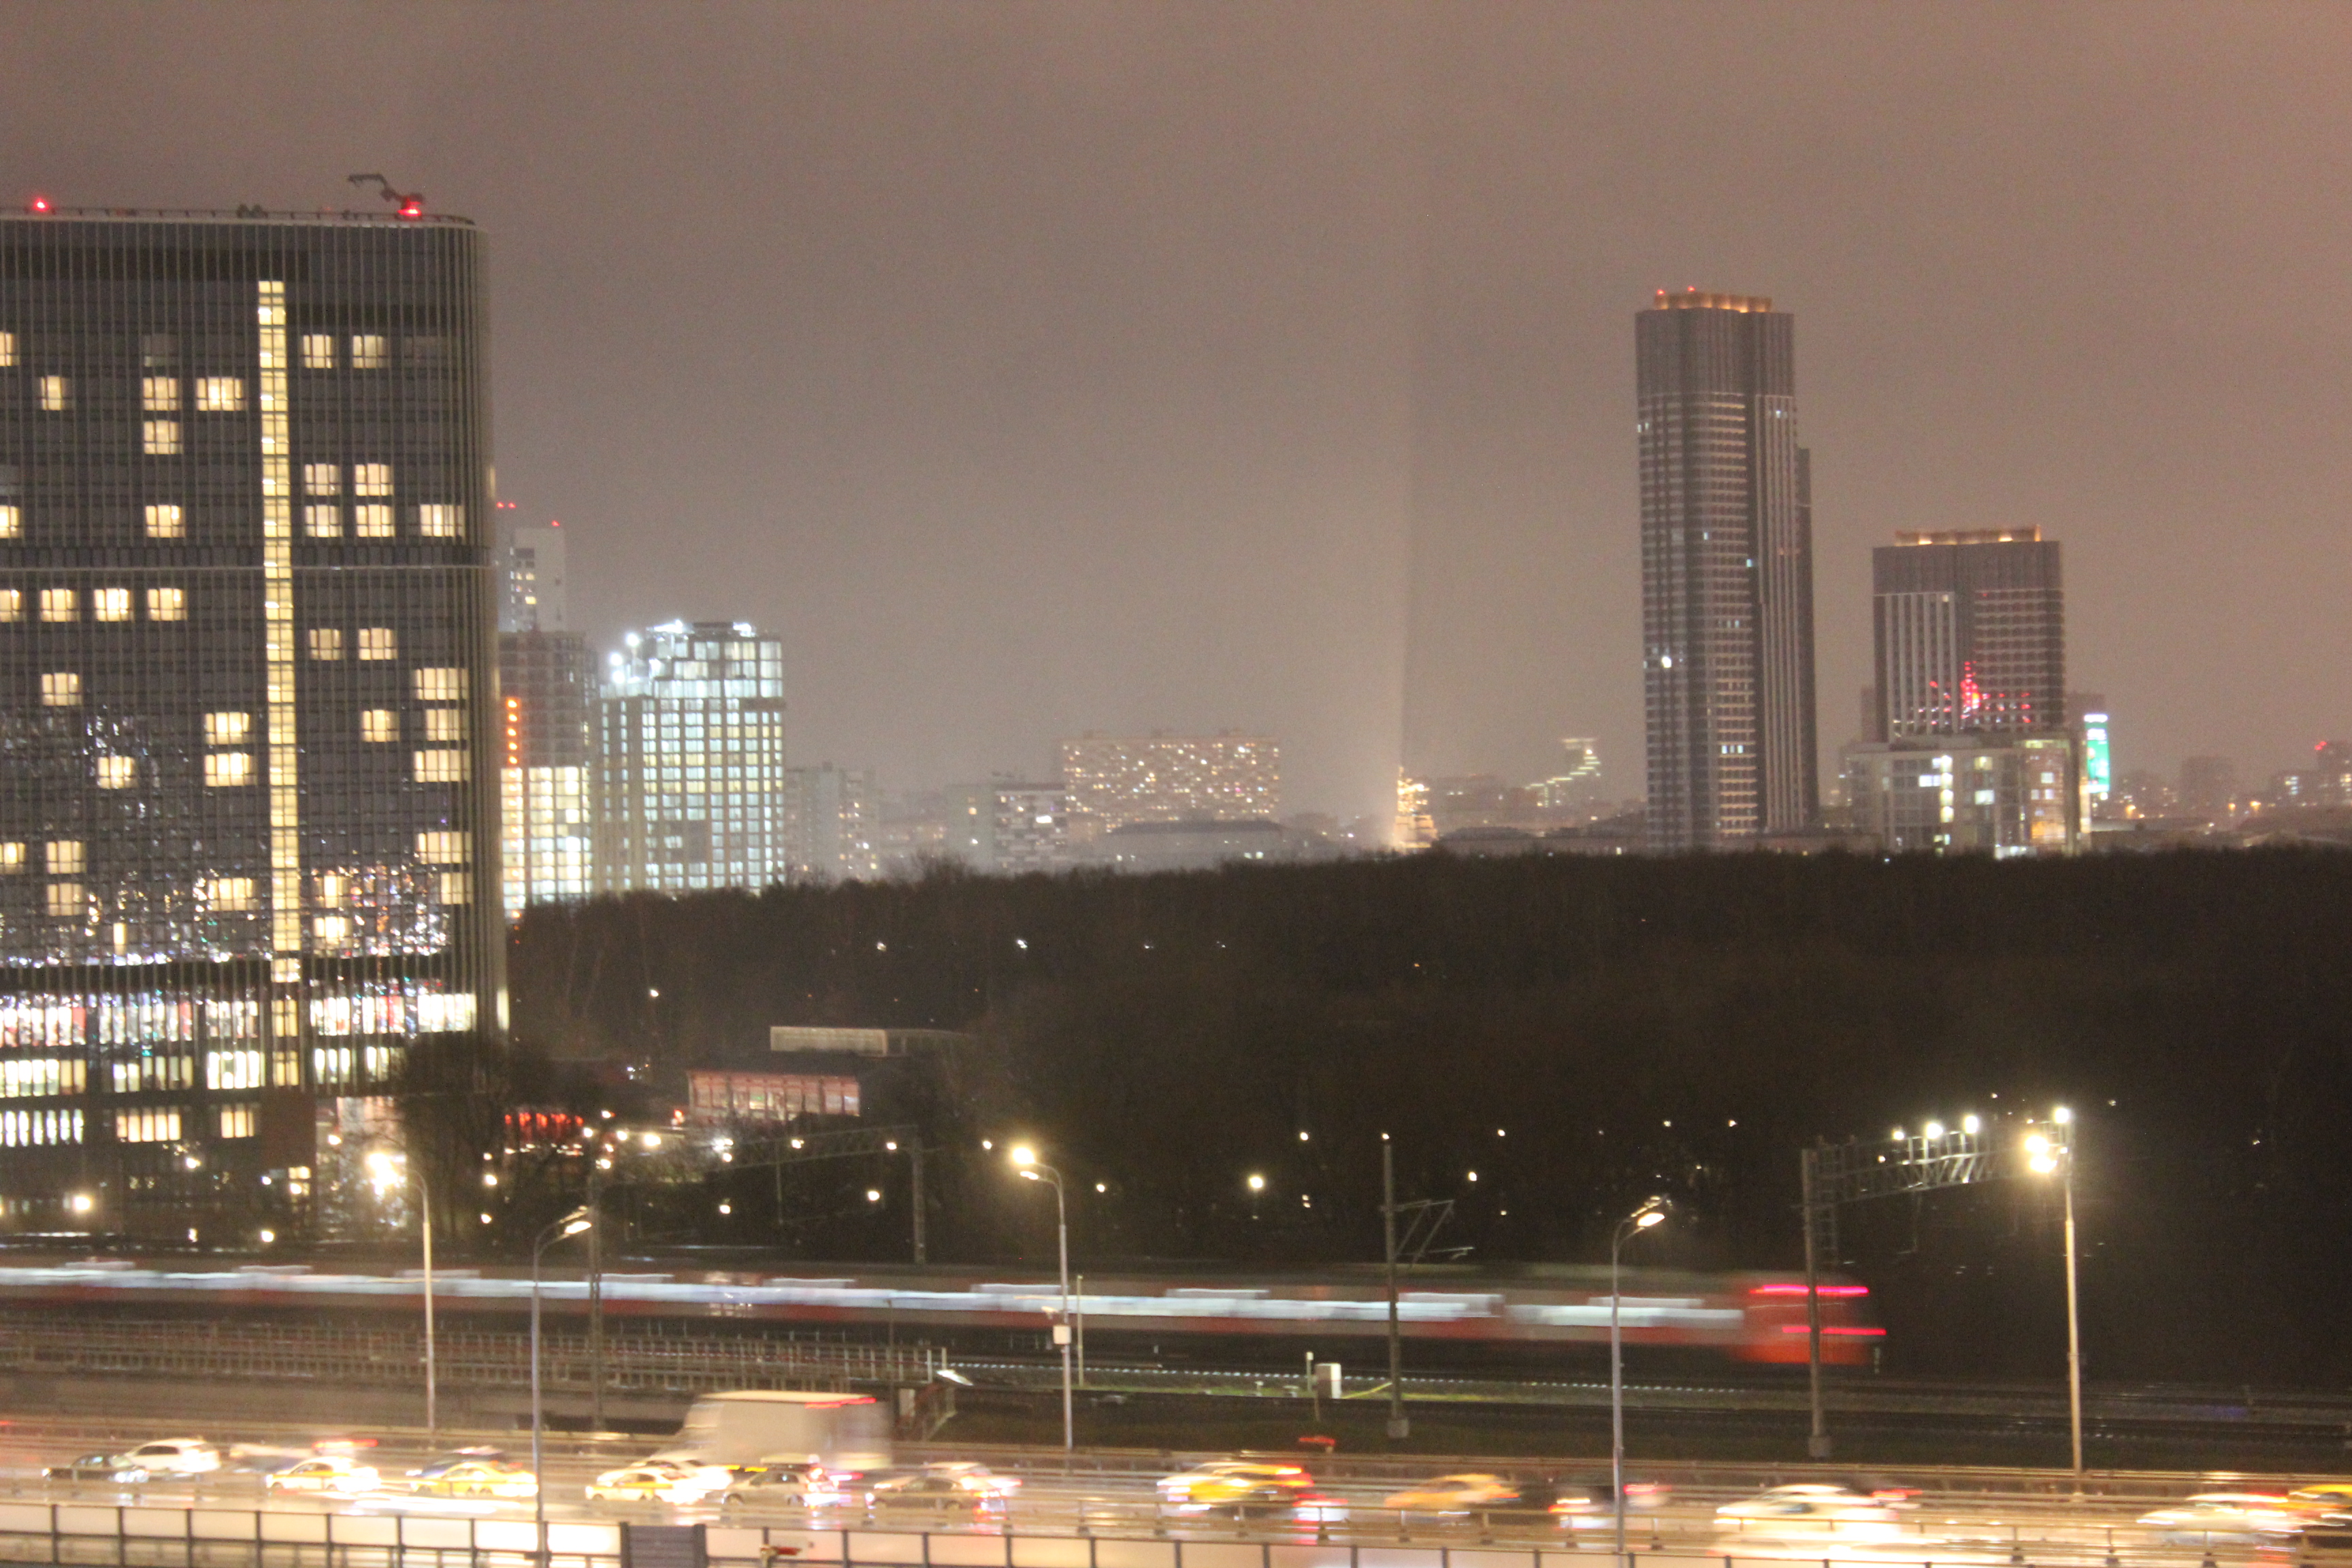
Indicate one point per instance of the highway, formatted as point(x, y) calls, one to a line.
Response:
point(1992, 1517)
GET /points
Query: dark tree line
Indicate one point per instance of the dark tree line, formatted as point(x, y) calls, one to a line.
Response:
point(1579, 1033)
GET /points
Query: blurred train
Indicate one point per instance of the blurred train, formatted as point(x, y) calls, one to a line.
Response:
point(1739, 1316)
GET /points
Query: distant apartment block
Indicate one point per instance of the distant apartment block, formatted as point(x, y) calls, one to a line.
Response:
point(833, 823)
point(547, 683)
point(1008, 825)
point(1226, 777)
point(690, 761)
point(1997, 795)
point(531, 565)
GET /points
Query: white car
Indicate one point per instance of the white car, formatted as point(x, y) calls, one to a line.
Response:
point(1810, 1510)
point(2237, 1519)
point(173, 1456)
point(659, 1481)
point(328, 1473)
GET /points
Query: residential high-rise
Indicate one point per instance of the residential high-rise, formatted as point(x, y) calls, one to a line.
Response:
point(832, 823)
point(1008, 825)
point(531, 560)
point(1161, 777)
point(547, 786)
point(1727, 573)
point(690, 761)
point(1970, 635)
point(248, 843)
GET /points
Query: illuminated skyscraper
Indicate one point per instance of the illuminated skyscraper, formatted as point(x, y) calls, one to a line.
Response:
point(1160, 777)
point(248, 848)
point(1727, 573)
point(690, 761)
point(547, 683)
point(1970, 635)
point(531, 560)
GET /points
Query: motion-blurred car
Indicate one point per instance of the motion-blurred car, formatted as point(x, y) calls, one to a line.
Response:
point(2327, 1496)
point(1810, 1509)
point(477, 1478)
point(934, 1492)
point(441, 1464)
point(105, 1467)
point(330, 1473)
point(2213, 1519)
point(796, 1485)
point(670, 1483)
point(1235, 1484)
point(174, 1457)
point(2329, 1532)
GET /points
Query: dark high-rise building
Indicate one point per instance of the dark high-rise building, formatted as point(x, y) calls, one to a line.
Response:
point(248, 842)
point(1970, 635)
point(1727, 573)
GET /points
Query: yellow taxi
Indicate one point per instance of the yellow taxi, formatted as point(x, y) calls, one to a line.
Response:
point(665, 1483)
point(1235, 1483)
point(479, 1477)
point(329, 1473)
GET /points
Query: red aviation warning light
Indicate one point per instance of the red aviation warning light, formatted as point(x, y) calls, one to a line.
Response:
point(413, 207)
point(38, 206)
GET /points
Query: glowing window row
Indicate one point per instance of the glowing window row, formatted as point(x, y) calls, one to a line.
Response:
point(373, 643)
point(373, 520)
point(26, 1077)
point(62, 604)
point(369, 351)
point(21, 1129)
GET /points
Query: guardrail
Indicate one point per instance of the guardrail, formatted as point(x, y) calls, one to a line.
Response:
point(140, 1536)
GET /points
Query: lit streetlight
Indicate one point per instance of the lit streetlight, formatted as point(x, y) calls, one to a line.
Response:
point(2052, 1153)
point(569, 1224)
point(1650, 1214)
point(1025, 1158)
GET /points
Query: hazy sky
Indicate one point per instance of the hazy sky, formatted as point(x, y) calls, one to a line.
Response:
point(1034, 368)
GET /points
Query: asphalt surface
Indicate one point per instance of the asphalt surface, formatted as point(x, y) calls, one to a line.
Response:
point(1994, 1518)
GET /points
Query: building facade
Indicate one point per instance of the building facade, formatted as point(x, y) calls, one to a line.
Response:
point(249, 845)
point(690, 761)
point(1008, 826)
point(1116, 779)
point(531, 562)
point(1727, 573)
point(547, 786)
point(2001, 794)
point(833, 823)
point(1969, 631)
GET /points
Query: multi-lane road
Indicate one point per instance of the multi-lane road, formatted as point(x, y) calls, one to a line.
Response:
point(1956, 1517)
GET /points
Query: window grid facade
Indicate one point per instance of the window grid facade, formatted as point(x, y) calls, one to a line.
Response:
point(244, 909)
point(1224, 777)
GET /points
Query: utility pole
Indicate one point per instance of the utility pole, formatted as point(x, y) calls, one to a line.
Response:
point(915, 1164)
point(1399, 1426)
point(595, 1300)
point(1817, 1442)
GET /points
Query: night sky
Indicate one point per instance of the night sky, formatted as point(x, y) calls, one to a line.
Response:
point(1041, 368)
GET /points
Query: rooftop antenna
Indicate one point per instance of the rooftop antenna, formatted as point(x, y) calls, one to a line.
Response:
point(410, 203)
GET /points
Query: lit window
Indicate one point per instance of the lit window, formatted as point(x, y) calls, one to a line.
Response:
point(324, 520)
point(162, 437)
point(378, 643)
point(445, 724)
point(67, 900)
point(166, 520)
point(371, 478)
point(440, 685)
point(220, 394)
point(64, 856)
point(322, 479)
point(110, 604)
point(227, 729)
point(7, 351)
point(12, 857)
point(331, 930)
point(378, 724)
point(441, 847)
point(56, 394)
point(167, 603)
point(367, 352)
point(60, 604)
point(456, 887)
point(317, 351)
point(12, 603)
point(229, 893)
point(117, 773)
point(228, 770)
point(371, 520)
point(441, 767)
point(440, 521)
point(147, 1124)
point(60, 688)
point(160, 393)
point(326, 642)
point(12, 521)
point(239, 1120)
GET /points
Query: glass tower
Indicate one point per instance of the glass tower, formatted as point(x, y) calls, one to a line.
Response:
point(1970, 634)
point(1727, 573)
point(690, 761)
point(247, 852)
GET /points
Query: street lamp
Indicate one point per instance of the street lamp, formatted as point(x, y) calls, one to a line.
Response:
point(2049, 1153)
point(569, 1224)
point(1026, 1159)
point(1641, 1219)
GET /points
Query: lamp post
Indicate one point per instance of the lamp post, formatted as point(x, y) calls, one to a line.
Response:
point(1025, 1158)
point(2048, 1154)
point(1641, 1219)
point(424, 1207)
point(571, 1224)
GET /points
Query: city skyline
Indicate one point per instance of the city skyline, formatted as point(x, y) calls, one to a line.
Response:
point(1358, 471)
